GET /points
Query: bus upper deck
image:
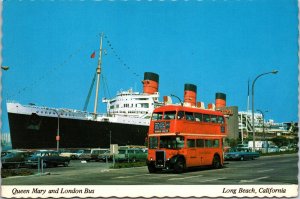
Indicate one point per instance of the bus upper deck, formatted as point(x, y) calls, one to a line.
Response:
point(181, 119)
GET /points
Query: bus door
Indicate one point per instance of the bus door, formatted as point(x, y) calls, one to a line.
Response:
point(201, 153)
point(192, 158)
point(208, 152)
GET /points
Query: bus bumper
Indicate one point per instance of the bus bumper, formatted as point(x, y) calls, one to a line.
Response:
point(160, 165)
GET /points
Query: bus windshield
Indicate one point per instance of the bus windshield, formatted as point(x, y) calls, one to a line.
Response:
point(157, 116)
point(169, 115)
point(171, 142)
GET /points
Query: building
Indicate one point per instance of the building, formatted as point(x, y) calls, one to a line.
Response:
point(264, 129)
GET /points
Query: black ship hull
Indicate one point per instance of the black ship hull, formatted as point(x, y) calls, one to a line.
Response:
point(39, 132)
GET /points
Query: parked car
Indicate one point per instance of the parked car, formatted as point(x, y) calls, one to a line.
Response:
point(293, 147)
point(48, 157)
point(71, 153)
point(96, 152)
point(105, 156)
point(131, 154)
point(85, 155)
point(273, 149)
point(14, 159)
point(77, 153)
point(68, 153)
point(283, 148)
point(244, 154)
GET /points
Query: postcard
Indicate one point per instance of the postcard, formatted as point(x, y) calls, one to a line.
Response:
point(149, 98)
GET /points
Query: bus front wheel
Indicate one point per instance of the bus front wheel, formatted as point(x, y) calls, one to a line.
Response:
point(179, 166)
point(151, 168)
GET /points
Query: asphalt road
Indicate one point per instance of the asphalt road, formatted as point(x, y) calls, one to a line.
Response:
point(279, 169)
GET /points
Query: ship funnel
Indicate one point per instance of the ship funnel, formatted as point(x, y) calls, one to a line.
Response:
point(150, 82)
point(220, 100)
point(190, 92)
point(167, 100)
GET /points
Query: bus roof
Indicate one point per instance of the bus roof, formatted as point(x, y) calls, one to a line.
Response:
point(186, 108)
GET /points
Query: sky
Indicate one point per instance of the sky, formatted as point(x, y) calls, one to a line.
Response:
point(217, 45)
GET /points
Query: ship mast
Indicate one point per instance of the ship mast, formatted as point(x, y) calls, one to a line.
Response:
point(98, 71)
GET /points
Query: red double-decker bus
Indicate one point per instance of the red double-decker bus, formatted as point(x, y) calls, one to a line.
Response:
point(180, 137)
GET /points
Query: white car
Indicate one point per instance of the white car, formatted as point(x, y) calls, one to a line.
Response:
point(273, 149)
point(283, 148)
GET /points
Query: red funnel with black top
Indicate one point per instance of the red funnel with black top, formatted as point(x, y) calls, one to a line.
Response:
point(190, 94)
point(150, 82)
point(220, 100)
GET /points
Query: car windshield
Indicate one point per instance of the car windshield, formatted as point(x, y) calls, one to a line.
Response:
point(9, 155)
point(95, 152)
point(238, 150)
point(102, 151)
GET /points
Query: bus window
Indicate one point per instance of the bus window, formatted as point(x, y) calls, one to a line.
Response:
point(206, 118)
point(213, 118)
point(171, 142)
point(190, 143)
point(208, 143)
point(220, 120)
point(180, 142)
point(169, 115)
point(200, 143)
point(180, 115)
point(153, 143)
point(157, 116)
point(216, 143)
point(198, 117)
point(189, 116)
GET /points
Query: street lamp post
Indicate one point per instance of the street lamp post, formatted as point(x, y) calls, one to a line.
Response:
point(253, 83)
point(263, 122)
point(57, 135)
point(177, 98)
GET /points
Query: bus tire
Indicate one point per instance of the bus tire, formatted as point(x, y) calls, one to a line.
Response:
point(66, 164)
point(216, 164)
point(179, 166)
point(151, 168)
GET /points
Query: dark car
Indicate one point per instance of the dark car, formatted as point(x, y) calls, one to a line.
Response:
point(85, 155)
point(14, 159)
point(47, 158)
point(244, 154)
point(96, 154)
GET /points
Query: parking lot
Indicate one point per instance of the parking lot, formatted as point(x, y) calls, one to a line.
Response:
point(279, 169)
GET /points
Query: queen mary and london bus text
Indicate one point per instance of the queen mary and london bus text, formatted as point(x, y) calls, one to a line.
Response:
point(180, 137)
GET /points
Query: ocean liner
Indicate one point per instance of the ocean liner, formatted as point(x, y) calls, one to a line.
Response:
point(126, 121)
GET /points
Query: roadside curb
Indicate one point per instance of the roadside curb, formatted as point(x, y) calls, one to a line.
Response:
point(287, 154)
